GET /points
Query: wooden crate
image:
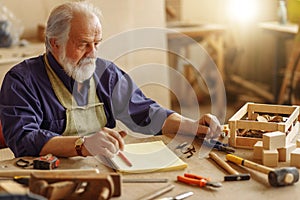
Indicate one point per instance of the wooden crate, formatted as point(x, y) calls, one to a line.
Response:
point(240, 121)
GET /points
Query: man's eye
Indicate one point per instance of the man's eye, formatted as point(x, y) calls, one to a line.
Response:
point(97, 44)
point(82, 46)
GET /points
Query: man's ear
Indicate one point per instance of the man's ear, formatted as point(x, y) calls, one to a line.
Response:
point(54, 44)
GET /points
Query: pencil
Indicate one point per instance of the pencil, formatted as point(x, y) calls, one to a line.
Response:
point(124, 158)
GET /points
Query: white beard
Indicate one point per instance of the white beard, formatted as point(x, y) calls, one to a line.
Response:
point(81, 72)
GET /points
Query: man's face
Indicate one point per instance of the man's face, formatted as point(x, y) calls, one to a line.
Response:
point(78, 55)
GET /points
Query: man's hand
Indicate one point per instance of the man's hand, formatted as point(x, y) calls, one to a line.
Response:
point(207, 125)
point(107, 142)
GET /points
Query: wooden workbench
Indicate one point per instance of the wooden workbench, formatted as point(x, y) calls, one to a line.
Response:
point(15, 54)
point(256, 188)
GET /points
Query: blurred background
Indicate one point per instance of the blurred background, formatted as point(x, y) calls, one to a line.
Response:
point(251, 42)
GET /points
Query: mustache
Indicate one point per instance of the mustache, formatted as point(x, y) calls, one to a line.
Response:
point(87, 61)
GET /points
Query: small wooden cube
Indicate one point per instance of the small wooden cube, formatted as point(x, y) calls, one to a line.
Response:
point(273, 140)
point(258, 150)
point(285, 152)
point(270, 157)
point(295, 158)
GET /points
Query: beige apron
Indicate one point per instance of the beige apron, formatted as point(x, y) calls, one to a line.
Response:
point(82, 120)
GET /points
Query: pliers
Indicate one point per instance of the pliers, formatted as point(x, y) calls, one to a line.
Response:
point(193, 179)
point(218, 145)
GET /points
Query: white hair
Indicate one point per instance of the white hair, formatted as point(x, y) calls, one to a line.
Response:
point(59, 21)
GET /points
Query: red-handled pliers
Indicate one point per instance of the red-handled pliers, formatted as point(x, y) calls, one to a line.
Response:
point(193, 179)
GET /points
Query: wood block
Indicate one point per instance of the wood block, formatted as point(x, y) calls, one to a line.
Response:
point(298, 143)
point(270, 157)
point(285, 152)
point(248, 143)
point(97, 184)
point(274, 140)
point(12, 187)
point(6, 154)
point(258, 150)
point(295, 158)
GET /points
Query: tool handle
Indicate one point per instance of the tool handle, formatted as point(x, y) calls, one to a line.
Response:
point(248, 163)
point(192, 181)
point(222, 163)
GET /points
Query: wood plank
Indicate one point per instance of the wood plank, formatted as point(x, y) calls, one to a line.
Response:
point(255, 125)
point(272, 108)
point(291, 136)
point(246, 142)
point(241, 112)
point(6, 154)
point(12, 187)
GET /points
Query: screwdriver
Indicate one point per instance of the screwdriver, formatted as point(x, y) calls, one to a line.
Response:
point(24, 180)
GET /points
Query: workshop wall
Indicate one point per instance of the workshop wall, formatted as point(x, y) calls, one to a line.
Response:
point(31, 13)
point(146, 64)
point(119, 17)
point(249, 52)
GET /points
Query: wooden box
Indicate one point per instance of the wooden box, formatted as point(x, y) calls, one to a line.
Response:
point(243, 120)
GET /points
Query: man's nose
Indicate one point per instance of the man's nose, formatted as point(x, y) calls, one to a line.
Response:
point(91, 51)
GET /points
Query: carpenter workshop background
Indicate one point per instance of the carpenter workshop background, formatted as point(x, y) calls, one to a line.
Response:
point(249, 51)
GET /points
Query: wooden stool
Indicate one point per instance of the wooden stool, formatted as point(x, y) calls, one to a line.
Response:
point(291, 74)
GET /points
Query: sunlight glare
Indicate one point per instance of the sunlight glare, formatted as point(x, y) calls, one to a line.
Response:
point(242, 10)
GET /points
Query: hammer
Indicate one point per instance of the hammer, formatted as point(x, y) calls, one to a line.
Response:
point(276, 177)
point(234, 175)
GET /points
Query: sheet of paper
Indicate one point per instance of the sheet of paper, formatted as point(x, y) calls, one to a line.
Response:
point(148, 157)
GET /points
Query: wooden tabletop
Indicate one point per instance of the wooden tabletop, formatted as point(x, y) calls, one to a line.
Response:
point(194, 30)
point(274, 26)
point(256, 188)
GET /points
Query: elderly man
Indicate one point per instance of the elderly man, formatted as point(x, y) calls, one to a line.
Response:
point(66, 102)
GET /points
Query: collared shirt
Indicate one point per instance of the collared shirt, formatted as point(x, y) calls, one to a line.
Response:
point(31, 114)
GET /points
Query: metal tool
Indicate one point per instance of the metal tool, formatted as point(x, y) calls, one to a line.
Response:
point(155, 194)
point(234, 175)
point(277, 177)
point(193, 179)
point(178, 197)
point(218, 145)
point(24, 180)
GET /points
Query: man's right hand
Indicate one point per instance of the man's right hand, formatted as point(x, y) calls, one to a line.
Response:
point(107, 142)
